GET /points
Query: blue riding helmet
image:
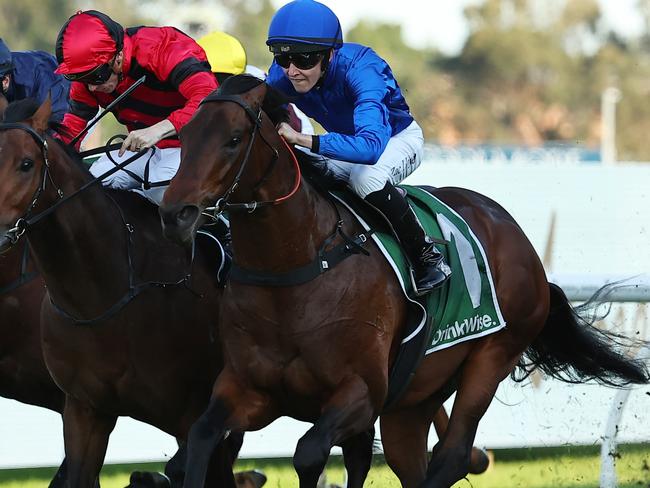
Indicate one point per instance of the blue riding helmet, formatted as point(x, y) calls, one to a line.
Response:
point(304, 26)
point(6, 63)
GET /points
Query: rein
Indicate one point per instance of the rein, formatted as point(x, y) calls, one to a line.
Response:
point(325, 259)
point(22, 223)
point(223, 203)
point(134, 288)
point(27, 221)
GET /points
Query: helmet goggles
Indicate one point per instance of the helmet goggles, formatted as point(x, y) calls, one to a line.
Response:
point(95, 76)
point(299, 60)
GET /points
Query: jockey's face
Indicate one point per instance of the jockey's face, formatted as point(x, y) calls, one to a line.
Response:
point(304, 80)
point(106, 87)
point(109, 85)
point(6, 79)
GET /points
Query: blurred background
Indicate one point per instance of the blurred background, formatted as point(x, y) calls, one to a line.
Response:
point(509, 72)
point(543, 105)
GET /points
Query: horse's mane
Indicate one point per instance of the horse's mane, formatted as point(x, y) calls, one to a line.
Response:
point(20, 110)
point(274, 103)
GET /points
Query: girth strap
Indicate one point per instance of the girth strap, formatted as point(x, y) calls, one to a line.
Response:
point(324, 261)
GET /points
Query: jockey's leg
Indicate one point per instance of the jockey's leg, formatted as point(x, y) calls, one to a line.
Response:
point(375, 183)
point(429, 267)
point(120, 180)
point(162, 167)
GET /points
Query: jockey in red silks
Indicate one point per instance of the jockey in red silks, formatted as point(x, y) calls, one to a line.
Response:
point(102, 59)
point(373, 142)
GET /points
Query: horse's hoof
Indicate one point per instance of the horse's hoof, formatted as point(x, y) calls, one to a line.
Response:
point(145, 479)
point(250, 479)
point(479, 461)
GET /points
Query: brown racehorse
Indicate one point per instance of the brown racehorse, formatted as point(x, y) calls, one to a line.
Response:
point(321, 350)
point(24, 376)
point(120, 337)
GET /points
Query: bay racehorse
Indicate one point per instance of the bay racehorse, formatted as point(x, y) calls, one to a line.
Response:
point(129, 325)
point(23, 374)
point(150, 355)
point(321, 351)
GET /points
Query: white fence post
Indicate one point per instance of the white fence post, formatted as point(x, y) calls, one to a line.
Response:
point(608, 449)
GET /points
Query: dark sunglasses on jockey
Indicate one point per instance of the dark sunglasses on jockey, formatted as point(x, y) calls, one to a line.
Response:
point(95, 76)
point(299, 60)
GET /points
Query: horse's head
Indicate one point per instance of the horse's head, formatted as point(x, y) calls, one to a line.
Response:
point(23, 153)
point(226, 148)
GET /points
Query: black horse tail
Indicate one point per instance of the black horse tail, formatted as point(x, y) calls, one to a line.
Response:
point(570, 348)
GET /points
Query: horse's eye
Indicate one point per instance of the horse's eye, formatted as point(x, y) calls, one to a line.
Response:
point(26, 165)
point(233, 143)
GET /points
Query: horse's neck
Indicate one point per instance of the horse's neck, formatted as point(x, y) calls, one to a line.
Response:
point(80, 248)
point(10, 265)
point(283, 236)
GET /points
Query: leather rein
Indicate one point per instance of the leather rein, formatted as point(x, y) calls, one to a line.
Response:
point(223, 203)
point(327, 256)
point(28, 220)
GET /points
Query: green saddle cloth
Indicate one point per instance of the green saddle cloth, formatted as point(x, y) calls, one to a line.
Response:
point(465, 307)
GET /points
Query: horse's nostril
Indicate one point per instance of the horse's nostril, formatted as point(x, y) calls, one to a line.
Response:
point(187, 215)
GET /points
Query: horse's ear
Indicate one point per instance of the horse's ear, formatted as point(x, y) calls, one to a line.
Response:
point(41, 118)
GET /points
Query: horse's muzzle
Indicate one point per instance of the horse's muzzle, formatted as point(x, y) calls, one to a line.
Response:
point(179, 222)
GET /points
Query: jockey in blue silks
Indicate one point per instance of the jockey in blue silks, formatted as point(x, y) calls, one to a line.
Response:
point(373, 142)
point(30, 74)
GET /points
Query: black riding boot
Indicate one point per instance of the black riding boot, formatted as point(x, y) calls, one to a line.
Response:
point(429, 267)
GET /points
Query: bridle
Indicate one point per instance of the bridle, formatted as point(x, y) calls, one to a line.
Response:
point(328, 255)
point(27, 219)
point(223, 203)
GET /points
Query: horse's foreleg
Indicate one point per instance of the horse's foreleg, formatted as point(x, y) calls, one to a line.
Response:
point(404, 438)
point(347, 413)
point(357, 456)
point(59, 479)
point(173, 476)
point(231, 407)
point(479, 460)
point(86, 433)
point(484, 369)
point(206, 433)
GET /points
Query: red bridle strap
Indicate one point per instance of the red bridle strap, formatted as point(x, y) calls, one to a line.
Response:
point(296, 182)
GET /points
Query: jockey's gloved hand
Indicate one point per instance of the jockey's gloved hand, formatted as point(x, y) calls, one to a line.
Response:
point(294, 137)
point(144, 138)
